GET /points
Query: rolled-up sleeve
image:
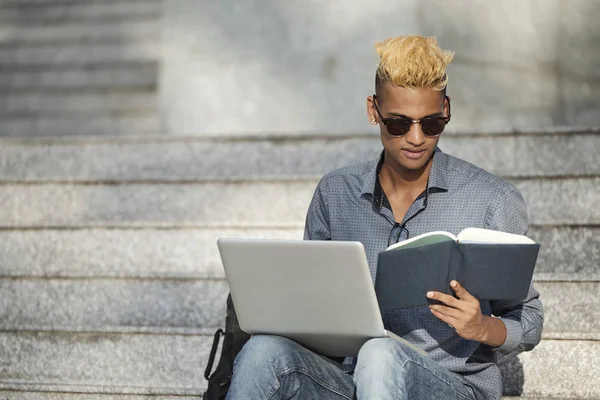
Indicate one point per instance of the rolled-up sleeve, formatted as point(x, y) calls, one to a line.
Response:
point(317, 225)
point(524, 320)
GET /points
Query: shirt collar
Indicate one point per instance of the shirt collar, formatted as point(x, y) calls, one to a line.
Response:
point(437, 176)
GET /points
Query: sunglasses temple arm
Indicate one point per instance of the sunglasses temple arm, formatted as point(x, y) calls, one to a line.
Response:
point(377, 108)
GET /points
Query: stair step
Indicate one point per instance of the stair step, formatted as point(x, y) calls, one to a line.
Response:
point(566, 302)
point(97, 123)
point(568, 251)
point(57, 12)
point(556, 368)
point(77, 32)
point(46, 3)
point(242, 158)
point(104, 362)
point(72, 103)
point(140, 76)
point(21, 395)
point(128, 253)
point(25, 395)
point(53, 361)
point(191, 253)
point(543, 197)
point(239, 204)
point(69, 55)
point(109, 304)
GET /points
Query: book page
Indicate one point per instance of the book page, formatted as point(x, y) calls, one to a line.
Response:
point(478, 235)
point(423, 240)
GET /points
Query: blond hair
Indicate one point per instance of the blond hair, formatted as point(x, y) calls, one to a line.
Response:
point(414, 62)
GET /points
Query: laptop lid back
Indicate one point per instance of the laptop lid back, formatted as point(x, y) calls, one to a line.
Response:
point(301, 289)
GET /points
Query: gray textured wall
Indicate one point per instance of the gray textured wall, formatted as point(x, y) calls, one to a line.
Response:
point(306, 66)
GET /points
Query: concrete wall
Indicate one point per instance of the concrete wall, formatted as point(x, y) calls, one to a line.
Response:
point(306, 66)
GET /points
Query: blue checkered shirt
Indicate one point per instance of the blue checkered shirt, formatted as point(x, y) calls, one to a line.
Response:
point(349, 204)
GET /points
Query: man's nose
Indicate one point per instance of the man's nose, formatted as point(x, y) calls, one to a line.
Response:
point(415, 135)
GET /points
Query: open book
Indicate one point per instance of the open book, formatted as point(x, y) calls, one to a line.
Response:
point(491, 265)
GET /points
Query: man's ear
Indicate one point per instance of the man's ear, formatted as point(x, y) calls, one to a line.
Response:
point(446, 105)
point(371, 112)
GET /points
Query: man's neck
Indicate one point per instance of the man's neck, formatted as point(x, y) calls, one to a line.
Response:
point(396, 177)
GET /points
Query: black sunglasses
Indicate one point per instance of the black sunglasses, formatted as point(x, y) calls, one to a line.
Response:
point(399, 126)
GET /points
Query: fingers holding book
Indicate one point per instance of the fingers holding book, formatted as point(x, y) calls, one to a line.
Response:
point(462, 313)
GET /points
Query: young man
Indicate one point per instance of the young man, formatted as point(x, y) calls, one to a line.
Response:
point(411, 189)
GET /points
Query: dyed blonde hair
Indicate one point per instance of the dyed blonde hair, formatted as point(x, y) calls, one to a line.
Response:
point(413, 62)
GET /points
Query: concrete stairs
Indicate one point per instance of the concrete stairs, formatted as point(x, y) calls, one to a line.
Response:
point(112, 285)
point(110, 282)
point(80, 68)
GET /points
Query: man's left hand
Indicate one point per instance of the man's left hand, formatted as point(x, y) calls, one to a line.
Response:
point(464, 315)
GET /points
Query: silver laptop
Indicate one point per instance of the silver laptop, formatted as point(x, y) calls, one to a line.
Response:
point(318, 293)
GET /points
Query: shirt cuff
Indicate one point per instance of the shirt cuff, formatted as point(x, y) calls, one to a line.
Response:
point(514, 334)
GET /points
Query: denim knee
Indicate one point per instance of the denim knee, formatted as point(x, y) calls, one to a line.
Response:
point(265, 349)
point(378, 353)
point(270, 367)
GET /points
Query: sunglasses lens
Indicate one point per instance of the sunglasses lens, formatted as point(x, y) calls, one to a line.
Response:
point(433, 126)
point(398, 126)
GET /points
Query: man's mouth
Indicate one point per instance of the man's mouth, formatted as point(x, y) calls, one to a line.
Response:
point(413, 153)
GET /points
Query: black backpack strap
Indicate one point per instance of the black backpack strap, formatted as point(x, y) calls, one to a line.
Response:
point(213, 352)
point(233, 342)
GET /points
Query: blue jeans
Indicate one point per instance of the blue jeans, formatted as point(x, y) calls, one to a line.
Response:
point(273, 367)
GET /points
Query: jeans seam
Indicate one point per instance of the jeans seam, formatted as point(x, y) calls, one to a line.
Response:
point(308, 373)
point(434, 373)
point(274, 388)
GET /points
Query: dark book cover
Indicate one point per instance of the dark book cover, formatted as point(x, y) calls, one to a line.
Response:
point(488, 271)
